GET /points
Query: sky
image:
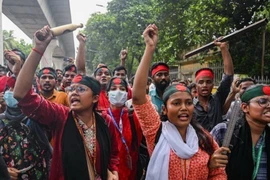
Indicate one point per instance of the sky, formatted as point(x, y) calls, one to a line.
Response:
point(80, 13)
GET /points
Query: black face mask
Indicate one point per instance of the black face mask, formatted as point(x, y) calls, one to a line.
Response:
point(162, 85)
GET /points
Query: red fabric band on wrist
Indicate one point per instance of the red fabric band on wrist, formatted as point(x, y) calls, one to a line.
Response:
point(37, 51)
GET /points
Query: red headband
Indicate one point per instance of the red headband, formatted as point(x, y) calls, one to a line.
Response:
point(204, 73)
point(159, 68)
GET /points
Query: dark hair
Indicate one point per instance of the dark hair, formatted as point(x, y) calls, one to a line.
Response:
point(131, 80)
point(245, 80)
point(58, 70)
point(191, 85)
point(174, 80)
point(20, 53)
point(157, 64)
point(69, 67)
point(119, 68)
point(95, 72)
point(110, 83)
point(205, 139)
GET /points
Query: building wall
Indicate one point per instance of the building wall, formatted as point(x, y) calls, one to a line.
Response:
point(189, 67)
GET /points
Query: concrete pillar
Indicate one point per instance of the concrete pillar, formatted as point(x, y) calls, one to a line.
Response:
point(1, 35)
point(179, 75)
point(58, 57)
point(46, 60)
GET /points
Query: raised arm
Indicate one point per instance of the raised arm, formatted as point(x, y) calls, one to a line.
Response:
point(123, 57)
point(226, 56)
point(14, 61)
point(80, 59)
point(25, 77)
point(150, 35)
point(231, 96)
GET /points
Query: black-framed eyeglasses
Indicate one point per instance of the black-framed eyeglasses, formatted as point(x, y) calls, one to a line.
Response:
point(78, 89)
point(263, 102)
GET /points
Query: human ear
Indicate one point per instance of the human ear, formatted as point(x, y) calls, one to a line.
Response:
point(95, 98)
point(245, 107)
point(164, 110)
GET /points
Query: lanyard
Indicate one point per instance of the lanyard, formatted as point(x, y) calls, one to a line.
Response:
point(119, 128)
point(258, 160)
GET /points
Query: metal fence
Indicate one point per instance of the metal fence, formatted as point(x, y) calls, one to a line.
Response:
point(218, 69)
point(262, 80)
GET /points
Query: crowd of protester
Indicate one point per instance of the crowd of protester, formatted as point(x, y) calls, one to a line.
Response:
point(63, 124)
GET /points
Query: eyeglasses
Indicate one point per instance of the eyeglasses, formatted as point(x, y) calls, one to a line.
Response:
point(78, 89)
point(263, 102)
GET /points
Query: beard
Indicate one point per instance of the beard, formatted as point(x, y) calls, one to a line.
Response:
point(47, 87)
point(162, 85)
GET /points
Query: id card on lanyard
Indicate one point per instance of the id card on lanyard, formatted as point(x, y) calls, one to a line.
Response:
point(120, 129)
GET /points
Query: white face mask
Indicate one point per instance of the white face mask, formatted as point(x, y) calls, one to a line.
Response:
point(117, 98)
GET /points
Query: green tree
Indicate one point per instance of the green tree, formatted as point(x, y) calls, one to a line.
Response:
point(121, 27)
point(183, 25)
point(23, 46)
point(9, 41)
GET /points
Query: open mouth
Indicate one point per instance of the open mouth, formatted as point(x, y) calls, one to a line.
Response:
point(205, 91)
point(183, 117)
point(46, 85)
point(74, 100)
point(267, 113)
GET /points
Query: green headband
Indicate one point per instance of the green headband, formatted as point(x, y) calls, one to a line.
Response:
point(258, 90)
point(173, 89)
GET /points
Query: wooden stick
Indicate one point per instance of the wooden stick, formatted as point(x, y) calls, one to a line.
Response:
point(255, 25)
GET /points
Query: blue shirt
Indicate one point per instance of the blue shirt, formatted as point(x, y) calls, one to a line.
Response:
point(156, 100)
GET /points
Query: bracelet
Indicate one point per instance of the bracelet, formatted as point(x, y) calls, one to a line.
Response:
point(37, 51)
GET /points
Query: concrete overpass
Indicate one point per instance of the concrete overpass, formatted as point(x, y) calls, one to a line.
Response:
point(31, 15)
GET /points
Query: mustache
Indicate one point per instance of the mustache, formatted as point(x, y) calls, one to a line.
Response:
point(163, 81)
point(46, 84)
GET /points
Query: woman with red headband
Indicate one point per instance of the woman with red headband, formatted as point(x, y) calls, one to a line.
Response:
point(86, 147)
point(127, 124)
point(183, 147)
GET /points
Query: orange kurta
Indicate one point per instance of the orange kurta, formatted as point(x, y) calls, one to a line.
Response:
point(193, 168)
